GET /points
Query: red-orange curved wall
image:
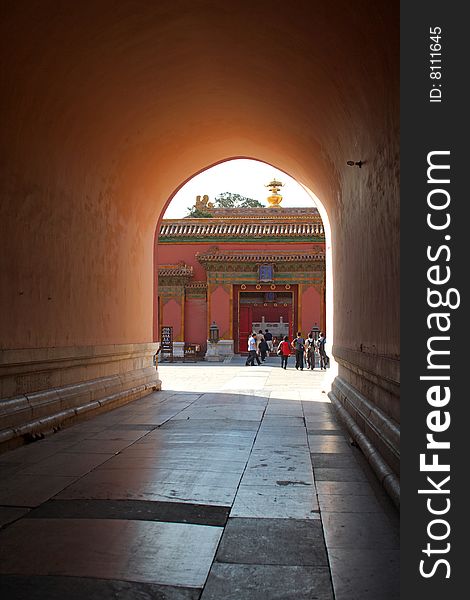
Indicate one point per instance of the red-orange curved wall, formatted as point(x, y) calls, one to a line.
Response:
point(108, 107)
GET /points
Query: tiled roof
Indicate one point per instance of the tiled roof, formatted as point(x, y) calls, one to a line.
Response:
point(180, 270)
point(216, 228)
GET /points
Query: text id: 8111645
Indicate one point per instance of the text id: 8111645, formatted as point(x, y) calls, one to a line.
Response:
point(435, 64)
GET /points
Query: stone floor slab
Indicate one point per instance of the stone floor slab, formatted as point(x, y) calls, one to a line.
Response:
point(276, 502)
point(355, 574)
point(99, 446)
point(164, 553)
point(67, 464)
point(344, 487)
point(16, 587)
point(9, 514)
point(333, 461)
point(273, 542)
point(349, 503)
point(132, 487)
point(132, 510)
point(209, 465)
point(358, 531)
point(267, 582)
point(32, 490)
point(354, 473)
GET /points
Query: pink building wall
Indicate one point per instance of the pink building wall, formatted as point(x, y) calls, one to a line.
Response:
point(310, 309)
point(172, 316)
point(195, 322)
point(220, 311)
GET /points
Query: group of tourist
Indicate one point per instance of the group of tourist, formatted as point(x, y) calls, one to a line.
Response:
point(261, 345)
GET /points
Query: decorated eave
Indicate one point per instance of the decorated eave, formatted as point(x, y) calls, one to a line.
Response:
point(179, 270)
point(214, 255)
point(180, 230)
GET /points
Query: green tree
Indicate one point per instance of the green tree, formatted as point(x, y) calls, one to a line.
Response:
point(230, 200)
point(196, 213)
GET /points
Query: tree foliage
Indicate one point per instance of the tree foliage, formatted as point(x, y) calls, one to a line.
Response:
point(230, 200)
point(223, 200)
point(196, 213)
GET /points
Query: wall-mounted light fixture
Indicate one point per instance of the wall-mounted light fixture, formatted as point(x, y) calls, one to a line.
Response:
point(359, 163)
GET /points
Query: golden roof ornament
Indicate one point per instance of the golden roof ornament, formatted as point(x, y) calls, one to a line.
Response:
point(203, 204)
point(274, 186)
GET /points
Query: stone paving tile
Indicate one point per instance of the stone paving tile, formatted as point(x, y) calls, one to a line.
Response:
point(32, 490)
point(349, 503)
point(17, 587)
point(132, 435)
point(293, 462)
point(29, 454)
point(365, 575)
point(314, 423)
point(67, 464)
point(278, 476)
point(329, 446)
point(273, 542)
point(9, 468)
point(189, 451)
point(267, 582)
point(233, 425)
point(158, 475)
point(209, 464)
point(99, 446)
point(8, 514)
point(129, 485)
point(276, 502)
point(354, 473)
point(213, 413)
point(344, 488)
point(332, 437)
point(333, 461)
point(135, 510)
point(325, 432)
point(358, 531)
point(165, 553)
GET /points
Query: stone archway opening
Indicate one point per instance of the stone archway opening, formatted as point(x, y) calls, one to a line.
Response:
point(290, 243)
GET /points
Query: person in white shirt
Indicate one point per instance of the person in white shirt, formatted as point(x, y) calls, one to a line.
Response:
point(252, 351)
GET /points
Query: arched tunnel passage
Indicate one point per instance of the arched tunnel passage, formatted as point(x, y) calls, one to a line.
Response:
point(97, 131)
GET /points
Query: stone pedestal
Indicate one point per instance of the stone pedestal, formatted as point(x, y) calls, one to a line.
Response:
point(219, 351)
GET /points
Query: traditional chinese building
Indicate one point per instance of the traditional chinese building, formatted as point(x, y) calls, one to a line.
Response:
point(244, 269)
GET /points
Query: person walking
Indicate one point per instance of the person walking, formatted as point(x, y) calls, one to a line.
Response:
point(268, 336)
point(275, 344)
point(263, 349)
point(324, 358)
point(310, 351)
point(284, 352)
point(299, 346)
point(252, 352)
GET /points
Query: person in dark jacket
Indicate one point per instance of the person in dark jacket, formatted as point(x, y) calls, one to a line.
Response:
point(299, 346)
point(324, 358)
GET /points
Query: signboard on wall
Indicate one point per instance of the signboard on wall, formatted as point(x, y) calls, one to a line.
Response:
point(266, 273)
point(166, 342)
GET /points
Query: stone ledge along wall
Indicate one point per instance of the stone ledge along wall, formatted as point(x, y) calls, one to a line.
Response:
point(105, 113)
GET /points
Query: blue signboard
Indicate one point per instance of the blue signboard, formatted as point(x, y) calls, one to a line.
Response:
point(266, 273)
